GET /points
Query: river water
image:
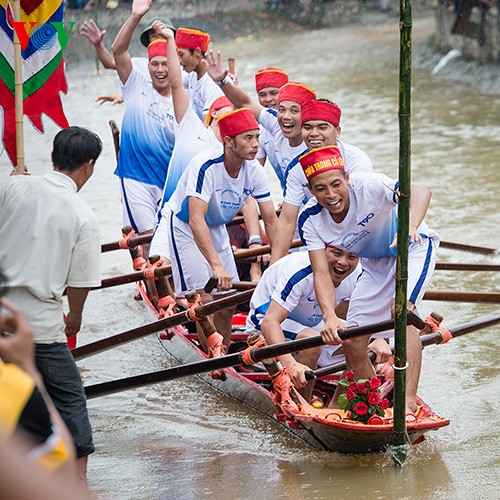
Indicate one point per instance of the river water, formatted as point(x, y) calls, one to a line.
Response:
point(183, 440)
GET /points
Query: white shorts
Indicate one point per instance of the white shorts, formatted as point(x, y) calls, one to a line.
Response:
point(371, 299)
point(159, 242)
point(140, 204)
point(190, 269)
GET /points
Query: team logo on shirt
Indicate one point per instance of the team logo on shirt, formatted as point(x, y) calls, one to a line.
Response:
point(365, 221)
point(247, 192)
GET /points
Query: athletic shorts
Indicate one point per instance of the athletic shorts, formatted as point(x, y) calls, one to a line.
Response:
point(190, 269)
point(64, 385)
point(159, 242)
point(140, 204)
point(373, 294)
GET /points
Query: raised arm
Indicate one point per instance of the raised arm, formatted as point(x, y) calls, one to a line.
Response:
point(285, 227)
point(197, 211)
point(122, 41)
point(325, 295)
point(219, 75)
point(180, 96)
point(95, 36)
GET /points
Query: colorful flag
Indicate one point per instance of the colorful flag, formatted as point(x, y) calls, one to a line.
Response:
point(42, 66)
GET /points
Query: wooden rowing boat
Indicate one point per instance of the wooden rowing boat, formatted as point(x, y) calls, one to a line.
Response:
point(322, 428)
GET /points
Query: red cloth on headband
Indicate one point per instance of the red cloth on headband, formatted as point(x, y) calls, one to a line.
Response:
point(219, 103)
point(157, 48)
point(320, 110)
point(320, 160)
point(270, 77)
point(186, 38)
point(237, 122)
point(296, 92)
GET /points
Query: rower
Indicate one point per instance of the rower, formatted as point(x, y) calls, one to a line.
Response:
point(211, 191)
point(284, 307)
point(357, 212)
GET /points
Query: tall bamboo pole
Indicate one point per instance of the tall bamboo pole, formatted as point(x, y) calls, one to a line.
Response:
point(18, 94)
point(400, 447)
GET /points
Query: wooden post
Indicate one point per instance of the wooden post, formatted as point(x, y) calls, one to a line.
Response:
point(400, 447)
point(18, 94)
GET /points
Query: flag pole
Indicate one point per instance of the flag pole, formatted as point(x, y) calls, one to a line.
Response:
point(18, 88)
point(401, 447)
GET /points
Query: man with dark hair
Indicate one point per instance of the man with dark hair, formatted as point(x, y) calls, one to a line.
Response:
point(51, 243)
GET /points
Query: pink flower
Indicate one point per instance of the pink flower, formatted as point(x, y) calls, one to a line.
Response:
point(375, 382)
point(373, 398)
point(350, 395)
point(361, 408)
point(349, 375)
point(384, 404)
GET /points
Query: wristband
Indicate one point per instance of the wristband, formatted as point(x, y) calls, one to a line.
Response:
point(254, 239)
point(224, 81)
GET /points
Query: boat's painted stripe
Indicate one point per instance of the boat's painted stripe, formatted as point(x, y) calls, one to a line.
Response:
point(176, 252)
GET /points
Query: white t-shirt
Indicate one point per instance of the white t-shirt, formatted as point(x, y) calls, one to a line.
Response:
point(206, 178)
point(202, 92)
point(296, 190)
point(49, 240)
point(369, 226)
point(191, 137)
point(289, 282)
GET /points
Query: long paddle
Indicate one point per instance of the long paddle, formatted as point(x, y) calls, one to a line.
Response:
point(133, 277)
point(162, 324)
point(212, 364)
point(428, 339)
point(453, 296)
point(468, 248)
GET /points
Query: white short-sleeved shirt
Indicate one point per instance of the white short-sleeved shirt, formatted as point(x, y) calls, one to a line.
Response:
point(369, 226)
point(296, 189)
point(191, 137)
point(206, 178)
point(147, 136)
point(267, 150)
point(202, 92)
point(289, 282)
point(280, 152)
point(49, 240)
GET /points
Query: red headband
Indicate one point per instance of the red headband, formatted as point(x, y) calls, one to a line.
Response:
point(186, 38)
point(296, 92)
point(320, 110)
point(237, 122)
point(157, 48)
point(320, 160)
point(219, 103)
point(270, 77)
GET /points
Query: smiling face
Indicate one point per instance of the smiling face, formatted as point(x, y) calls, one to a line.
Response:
point(268, 97)
point(331, 189)
point(289, 120)
point(159, 74)
point(319, 133)
point(341, 263)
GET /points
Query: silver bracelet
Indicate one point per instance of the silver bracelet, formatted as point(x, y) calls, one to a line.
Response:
point(254, 239)
point(224, 81)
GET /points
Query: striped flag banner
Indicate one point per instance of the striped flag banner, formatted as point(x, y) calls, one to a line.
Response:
point(43, 36)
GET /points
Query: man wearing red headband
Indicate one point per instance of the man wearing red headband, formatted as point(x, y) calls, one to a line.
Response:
point(211, 191)
point(191, 47)
point(357, 213)
point(268, 82)
point(147, 137)
point(320, 127)
point(284, 124)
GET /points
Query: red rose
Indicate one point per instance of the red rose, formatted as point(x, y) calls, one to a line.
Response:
point(352, 386)
point(384, 404)
point(349, 375)
point(361, 408)
point(373, 398)
point(361, 388)
point(375, 382)
point(350, 395)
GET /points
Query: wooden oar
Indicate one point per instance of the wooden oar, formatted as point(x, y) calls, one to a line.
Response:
point(453, 266)
point(253, 252)
point(213, 364)
point(133, 277)
point(162, 324)
point(428, 339)
point(131, 243)
point(469, 248)
point(453, 296)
